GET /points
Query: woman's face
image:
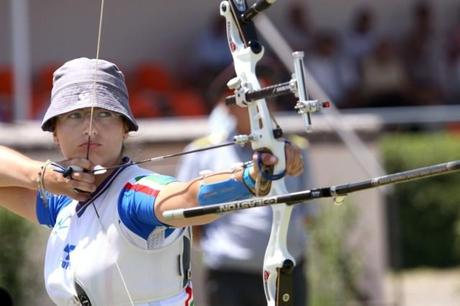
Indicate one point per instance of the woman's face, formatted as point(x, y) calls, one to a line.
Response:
point(108, 131)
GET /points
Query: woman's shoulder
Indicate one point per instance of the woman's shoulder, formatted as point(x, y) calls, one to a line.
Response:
point(149, 177)
point(147, 181)
point(48, 211)
point(135, 174)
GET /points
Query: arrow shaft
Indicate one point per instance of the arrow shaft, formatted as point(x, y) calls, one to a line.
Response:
point(325, 192)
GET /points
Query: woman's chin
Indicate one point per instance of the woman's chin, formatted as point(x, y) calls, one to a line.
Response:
point(96, 158)
point(105, 162)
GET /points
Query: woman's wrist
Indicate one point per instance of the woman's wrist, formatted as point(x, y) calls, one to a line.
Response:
point(41, 180)
point(247, 177)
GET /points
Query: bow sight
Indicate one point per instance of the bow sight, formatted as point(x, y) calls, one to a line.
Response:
point(296, 86)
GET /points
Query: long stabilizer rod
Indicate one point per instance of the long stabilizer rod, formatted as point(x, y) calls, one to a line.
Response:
point(256, 8)
point(317, 193)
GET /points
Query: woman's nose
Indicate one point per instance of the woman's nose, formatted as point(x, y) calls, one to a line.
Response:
point(90, 126)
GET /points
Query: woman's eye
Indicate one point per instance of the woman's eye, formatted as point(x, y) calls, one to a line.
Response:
point(104, 114)
point(75, 115)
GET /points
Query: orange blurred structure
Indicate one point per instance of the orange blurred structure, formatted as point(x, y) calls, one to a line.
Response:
point(153, 76)
point(42, 85)
point(6, 93)
point(187, 103)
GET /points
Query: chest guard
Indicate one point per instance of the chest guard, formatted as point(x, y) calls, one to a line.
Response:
point(98, 255)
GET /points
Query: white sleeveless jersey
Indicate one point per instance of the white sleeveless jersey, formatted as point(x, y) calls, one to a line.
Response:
point(108, 261)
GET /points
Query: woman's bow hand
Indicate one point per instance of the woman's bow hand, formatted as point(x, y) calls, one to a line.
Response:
point(294, 160)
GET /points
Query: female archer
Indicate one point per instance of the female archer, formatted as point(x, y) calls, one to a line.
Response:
point(109, 243)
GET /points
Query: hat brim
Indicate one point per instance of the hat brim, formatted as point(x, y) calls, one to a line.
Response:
point(87, 95)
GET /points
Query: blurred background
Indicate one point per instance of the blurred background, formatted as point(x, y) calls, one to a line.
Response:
point(392, 68)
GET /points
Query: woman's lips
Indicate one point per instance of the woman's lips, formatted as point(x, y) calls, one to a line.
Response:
point(91, 145)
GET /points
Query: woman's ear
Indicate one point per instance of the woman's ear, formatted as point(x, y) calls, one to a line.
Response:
point(126, 130)
point(55, 138)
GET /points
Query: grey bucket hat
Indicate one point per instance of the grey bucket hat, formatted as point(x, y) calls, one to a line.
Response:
point(77, 82)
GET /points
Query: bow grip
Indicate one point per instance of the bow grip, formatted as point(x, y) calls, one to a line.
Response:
point(266, 173)
point(263, 183)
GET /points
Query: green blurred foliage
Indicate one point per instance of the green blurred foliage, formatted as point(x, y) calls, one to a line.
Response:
point(424, 215)
point(14, 235)
point(333, 267)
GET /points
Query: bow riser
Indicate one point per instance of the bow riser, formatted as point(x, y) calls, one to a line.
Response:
point(246, 52)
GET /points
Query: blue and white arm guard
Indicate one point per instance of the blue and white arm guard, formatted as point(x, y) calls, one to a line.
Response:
point(227, 190)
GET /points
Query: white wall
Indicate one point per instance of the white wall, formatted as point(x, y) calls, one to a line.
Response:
point(164, 29)
point(5, 30)
point(132, 30)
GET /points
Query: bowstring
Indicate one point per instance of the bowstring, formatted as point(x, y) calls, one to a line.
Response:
point(90, 131)
point(98, 49)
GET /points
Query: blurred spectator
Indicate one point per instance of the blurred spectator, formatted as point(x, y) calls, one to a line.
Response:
point(333, 72)
point(453, 60)
point(384, 79)
point(211, 52)
point(424, 57)
point(233, 258)
point(299, 33)
point(361, 39)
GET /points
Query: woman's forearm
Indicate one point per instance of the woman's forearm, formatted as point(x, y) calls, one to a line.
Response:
point(18, 170)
